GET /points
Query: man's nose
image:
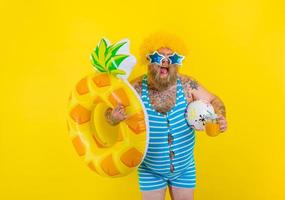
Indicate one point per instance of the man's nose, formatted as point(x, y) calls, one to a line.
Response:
point(165, 61)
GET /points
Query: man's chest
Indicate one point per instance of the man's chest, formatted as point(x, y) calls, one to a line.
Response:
point(163, 101)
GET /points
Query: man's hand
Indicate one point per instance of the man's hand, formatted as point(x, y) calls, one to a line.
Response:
point(116, 115)
point(223, 123)
point(220, 109)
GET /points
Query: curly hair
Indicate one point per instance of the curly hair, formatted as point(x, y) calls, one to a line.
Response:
point(158, 40)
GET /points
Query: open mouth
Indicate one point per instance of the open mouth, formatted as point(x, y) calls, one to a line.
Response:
point(164, 70)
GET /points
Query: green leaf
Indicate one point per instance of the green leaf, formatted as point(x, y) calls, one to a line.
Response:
point(104, 58)
point(102, 50)
point(112, 50)
point(115, 61)
point(108, 50)
point(95, 63)
point(97, 51)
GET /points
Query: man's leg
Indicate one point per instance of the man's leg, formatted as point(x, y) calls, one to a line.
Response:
point(181, 193)
point(152, 186)
point(154, 194)
point(182, 188)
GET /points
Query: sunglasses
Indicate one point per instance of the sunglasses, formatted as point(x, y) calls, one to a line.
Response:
point(157, 58)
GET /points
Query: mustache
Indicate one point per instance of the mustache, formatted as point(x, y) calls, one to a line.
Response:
point(163, 83)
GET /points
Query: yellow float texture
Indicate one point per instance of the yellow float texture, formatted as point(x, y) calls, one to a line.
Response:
point(111, 151)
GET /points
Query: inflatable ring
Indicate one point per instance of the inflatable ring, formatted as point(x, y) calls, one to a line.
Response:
point(111, 151)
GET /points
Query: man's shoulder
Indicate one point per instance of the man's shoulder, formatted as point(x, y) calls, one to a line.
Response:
point(137, 84)
point(186, 79)
point(137, 80)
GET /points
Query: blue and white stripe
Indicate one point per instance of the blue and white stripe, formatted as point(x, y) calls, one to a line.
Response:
point(154, 172)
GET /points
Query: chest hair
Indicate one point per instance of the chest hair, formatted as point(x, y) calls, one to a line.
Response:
point(163, 101)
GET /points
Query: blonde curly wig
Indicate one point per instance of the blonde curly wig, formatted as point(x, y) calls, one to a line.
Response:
point(161, 39)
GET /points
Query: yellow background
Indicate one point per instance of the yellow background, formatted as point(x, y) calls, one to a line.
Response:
point(237, 51)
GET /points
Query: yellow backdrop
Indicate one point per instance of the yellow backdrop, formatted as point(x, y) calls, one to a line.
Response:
point(237, 51)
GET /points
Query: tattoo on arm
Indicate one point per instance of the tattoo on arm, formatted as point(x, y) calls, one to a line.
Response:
point(193, 85)
point(219, 106)
point(108, 116)
point(189, 84)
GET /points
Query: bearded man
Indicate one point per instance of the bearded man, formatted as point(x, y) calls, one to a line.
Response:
point(169, 160)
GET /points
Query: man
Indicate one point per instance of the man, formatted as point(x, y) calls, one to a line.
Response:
point(165, 93)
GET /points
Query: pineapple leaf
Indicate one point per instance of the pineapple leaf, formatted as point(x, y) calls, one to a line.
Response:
point(102, 50)
point(104, 58)
point(96, 63)
point(97, 51)
point(112, 50)
point(115, 61)
point(108, 50)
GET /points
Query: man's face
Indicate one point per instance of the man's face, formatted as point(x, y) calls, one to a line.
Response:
point(166, 74)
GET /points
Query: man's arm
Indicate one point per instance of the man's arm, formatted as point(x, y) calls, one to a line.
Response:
point(195, 91)
point(201, 93)
point(116, 115)
point(137, 84)
point(219, 106)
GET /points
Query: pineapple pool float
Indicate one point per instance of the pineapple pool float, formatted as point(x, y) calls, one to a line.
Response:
point(110, 151)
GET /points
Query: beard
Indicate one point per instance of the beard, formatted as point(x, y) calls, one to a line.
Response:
point(162, 83)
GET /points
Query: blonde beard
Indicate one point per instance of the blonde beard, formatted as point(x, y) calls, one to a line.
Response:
point(162, 83)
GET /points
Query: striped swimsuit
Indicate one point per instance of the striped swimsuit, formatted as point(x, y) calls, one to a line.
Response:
point(169, 159)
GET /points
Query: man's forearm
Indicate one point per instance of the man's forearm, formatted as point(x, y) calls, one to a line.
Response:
point(108, 117)
point(219, 106)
